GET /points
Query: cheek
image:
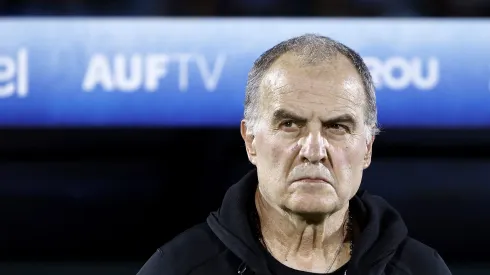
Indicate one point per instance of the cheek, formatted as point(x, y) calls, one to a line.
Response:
point(270, 156)
point(347, 162)
point(275, 159)
point(275, 151)
point(271, 168)
point(355, 155)
point(348, 159)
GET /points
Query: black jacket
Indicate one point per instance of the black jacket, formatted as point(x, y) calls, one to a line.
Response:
point(225, 243)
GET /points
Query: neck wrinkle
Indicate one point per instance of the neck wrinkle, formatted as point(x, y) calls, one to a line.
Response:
point(291, 238)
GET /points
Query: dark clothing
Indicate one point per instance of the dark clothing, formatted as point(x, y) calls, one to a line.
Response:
point(226, 244)
point(277, 267)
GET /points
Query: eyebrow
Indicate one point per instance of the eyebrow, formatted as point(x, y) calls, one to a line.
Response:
point(344, 118)
point(282, 114)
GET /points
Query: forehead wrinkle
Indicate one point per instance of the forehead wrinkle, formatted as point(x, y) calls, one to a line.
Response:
point(343, 110)
point(351, 101)
point(348, 103)
point(279, 82)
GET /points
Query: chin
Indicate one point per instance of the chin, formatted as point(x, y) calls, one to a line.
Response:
point(312, 206)
point(323, 197)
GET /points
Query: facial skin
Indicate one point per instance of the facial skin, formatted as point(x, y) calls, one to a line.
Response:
point(310, 147)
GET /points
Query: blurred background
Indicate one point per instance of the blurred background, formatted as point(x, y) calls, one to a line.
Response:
point(92, 167)
point(337, 8)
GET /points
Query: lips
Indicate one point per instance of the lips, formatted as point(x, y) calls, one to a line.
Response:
point(313, 179)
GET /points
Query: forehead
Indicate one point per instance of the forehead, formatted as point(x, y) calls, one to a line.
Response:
point(329, 86)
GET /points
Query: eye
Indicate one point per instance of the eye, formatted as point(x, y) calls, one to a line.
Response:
point(289, 125)
point(338, 128)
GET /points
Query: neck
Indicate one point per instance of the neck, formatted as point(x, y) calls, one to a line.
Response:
point(314, 244)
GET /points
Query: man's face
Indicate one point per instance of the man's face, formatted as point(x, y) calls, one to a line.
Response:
point(310, 145)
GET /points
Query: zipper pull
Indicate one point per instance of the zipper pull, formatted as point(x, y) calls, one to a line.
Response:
point(242, 268)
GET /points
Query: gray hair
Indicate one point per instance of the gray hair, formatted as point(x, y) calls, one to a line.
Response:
point(313, 49)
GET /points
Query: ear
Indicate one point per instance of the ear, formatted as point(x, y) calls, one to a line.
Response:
point(369, 152)
point(249, 140)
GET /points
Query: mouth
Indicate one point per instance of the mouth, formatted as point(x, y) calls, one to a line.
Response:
point(313, 180)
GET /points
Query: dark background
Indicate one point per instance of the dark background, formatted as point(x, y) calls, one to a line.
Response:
point(101, 201)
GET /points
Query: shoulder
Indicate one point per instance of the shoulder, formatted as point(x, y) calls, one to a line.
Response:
point(414, 257)
point(185, 252)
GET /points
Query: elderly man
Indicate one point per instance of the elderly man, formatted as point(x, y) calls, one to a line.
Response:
point(309, 126)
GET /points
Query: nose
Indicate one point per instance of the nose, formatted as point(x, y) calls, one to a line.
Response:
point(313, 148)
